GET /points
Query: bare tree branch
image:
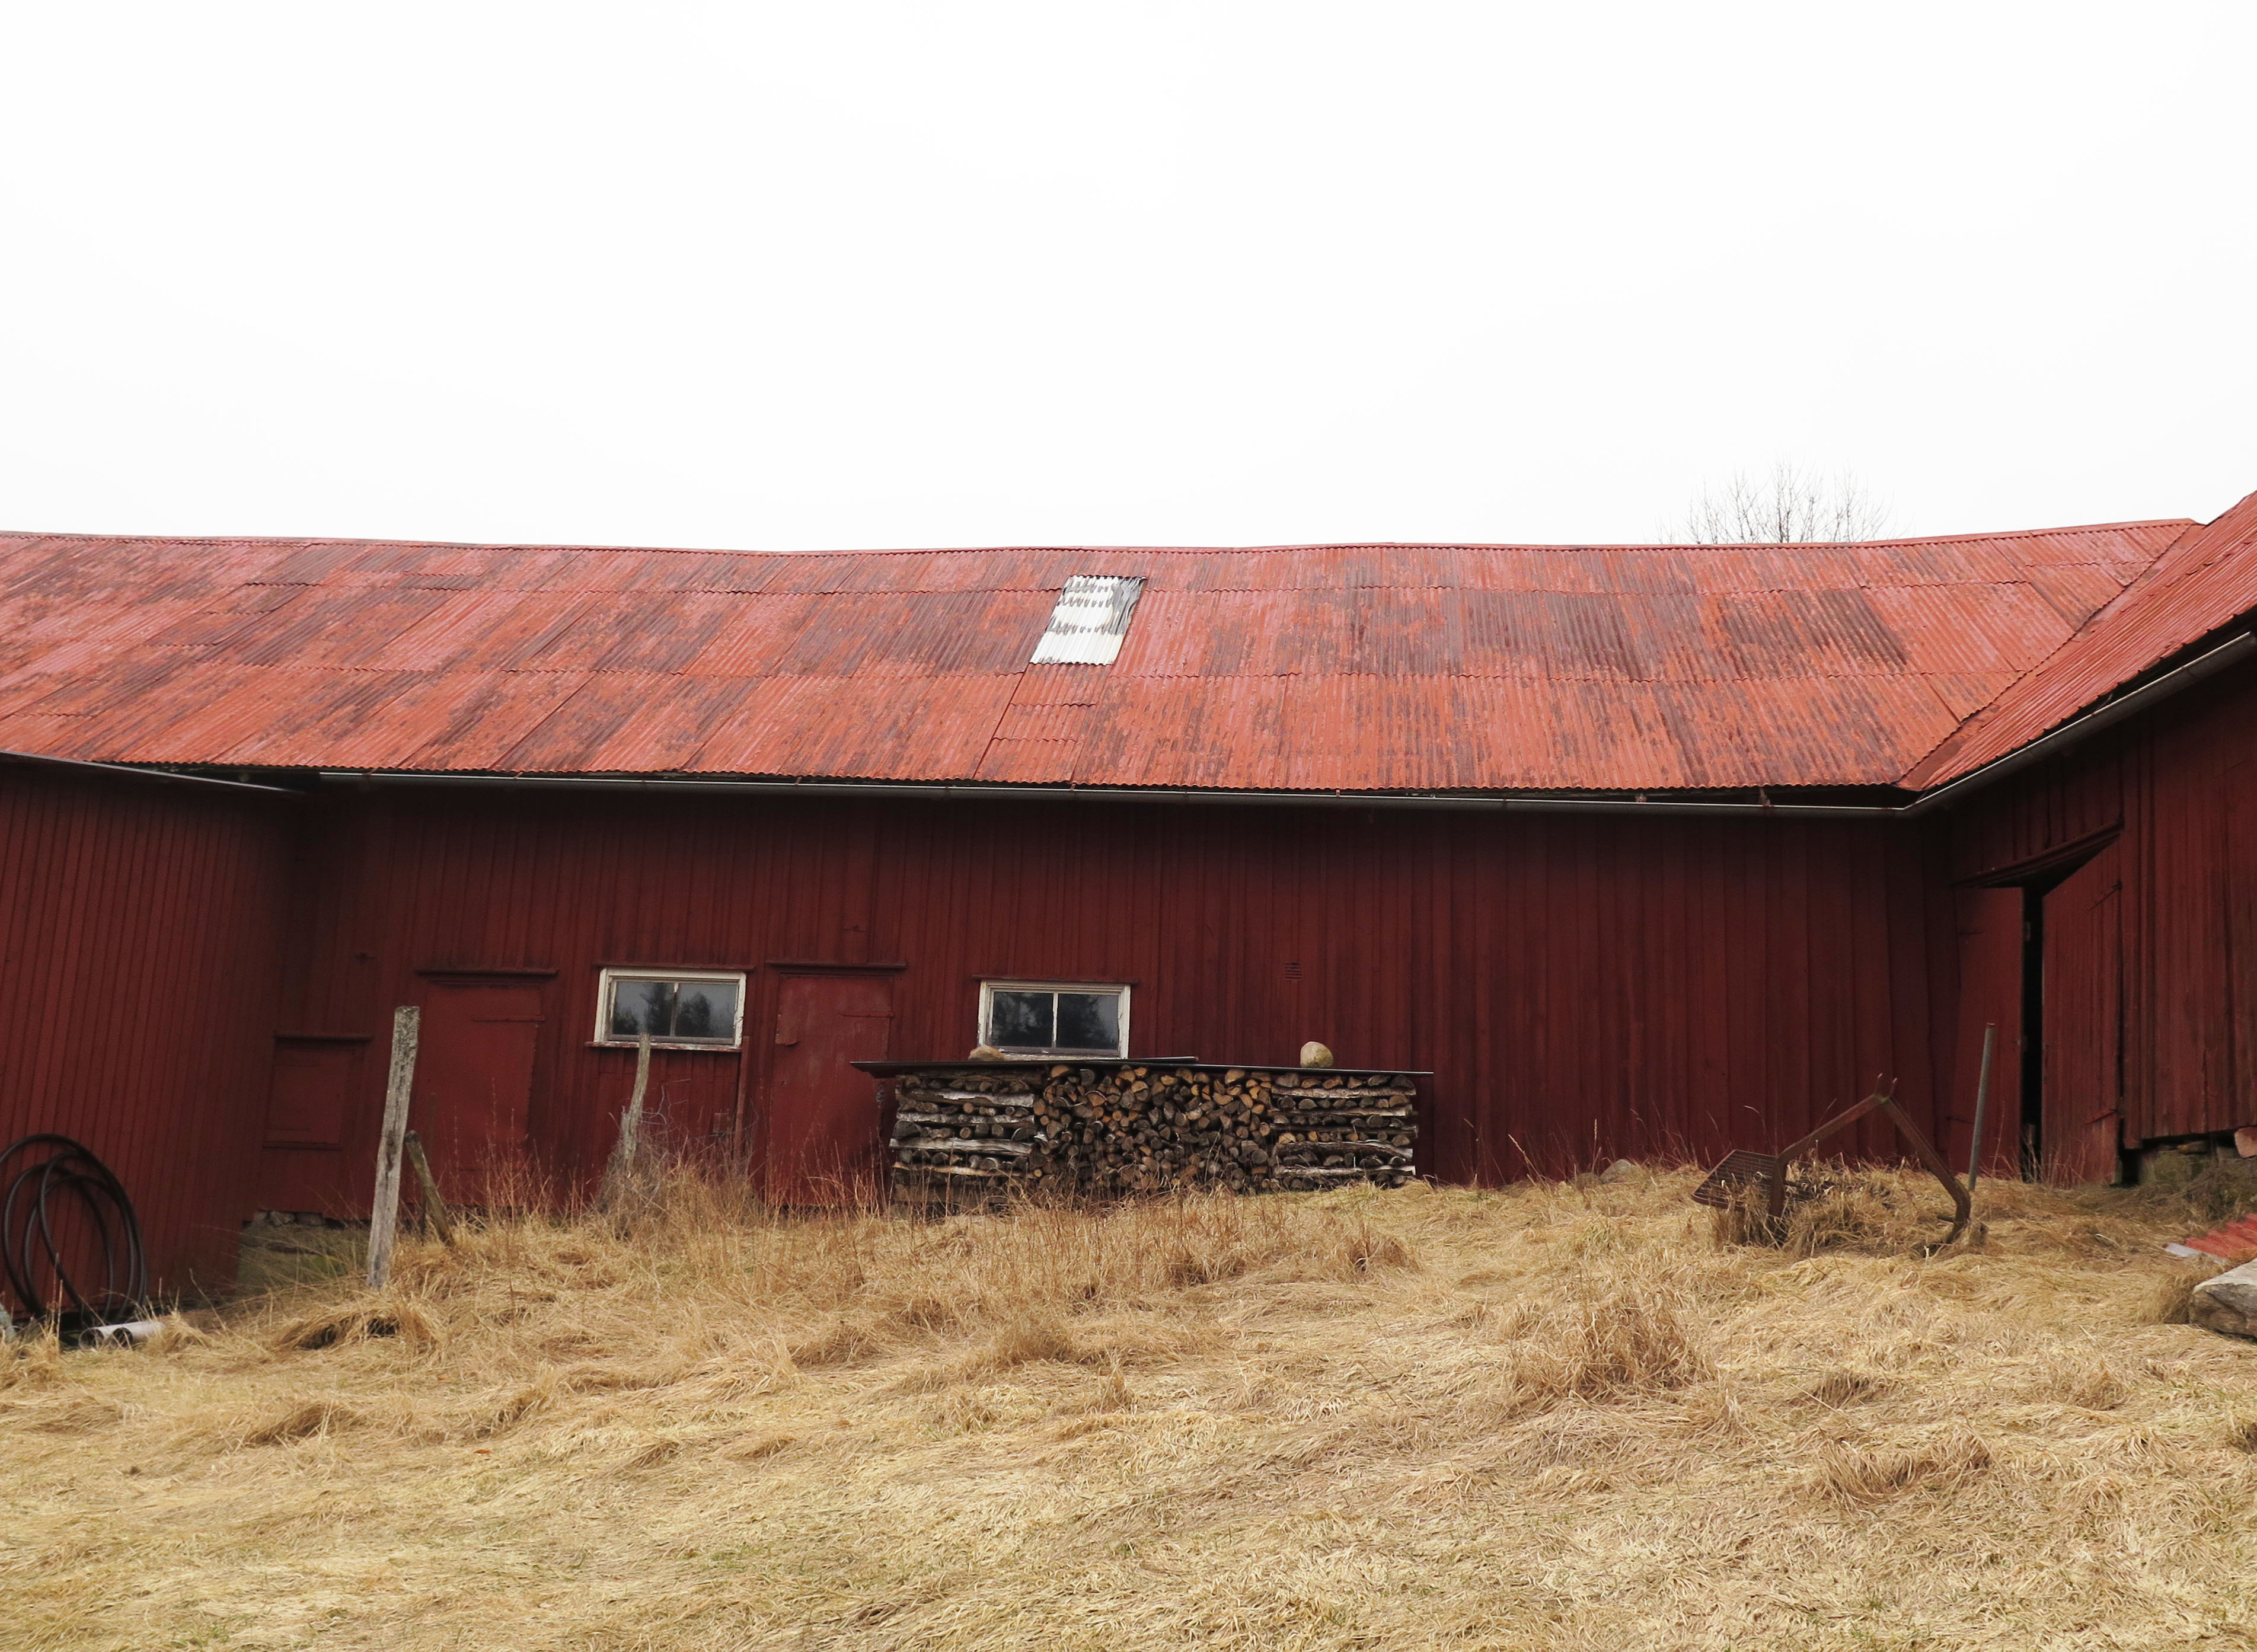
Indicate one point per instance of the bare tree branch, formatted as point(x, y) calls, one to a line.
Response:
point(1789, 506)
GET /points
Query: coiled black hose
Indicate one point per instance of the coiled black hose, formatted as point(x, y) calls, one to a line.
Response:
point(48, 1180)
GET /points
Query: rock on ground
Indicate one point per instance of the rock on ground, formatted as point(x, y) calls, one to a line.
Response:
point(2229, 1302)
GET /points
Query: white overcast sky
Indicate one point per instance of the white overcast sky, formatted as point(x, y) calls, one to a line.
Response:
point(832, 274)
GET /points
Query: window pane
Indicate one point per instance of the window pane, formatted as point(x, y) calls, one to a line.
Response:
point(705, 1009)
point(1089, 1020)
point(1019, 1020)
point(640, 1005)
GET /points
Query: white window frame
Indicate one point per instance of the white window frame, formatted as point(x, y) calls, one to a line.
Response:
point(988, 989)
point(611, 976)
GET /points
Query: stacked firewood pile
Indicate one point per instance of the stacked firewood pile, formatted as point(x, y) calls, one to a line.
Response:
point(1127, 1128)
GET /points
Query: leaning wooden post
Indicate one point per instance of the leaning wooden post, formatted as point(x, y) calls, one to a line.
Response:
point(1982, 1106)
point(384, 1215)
point(620, 1174)
point(434, 1203)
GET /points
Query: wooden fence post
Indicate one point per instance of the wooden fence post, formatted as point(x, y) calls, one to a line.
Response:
point(384, 1215)
point(434, 1203)
point(627, 1154)
point(1982, 1106)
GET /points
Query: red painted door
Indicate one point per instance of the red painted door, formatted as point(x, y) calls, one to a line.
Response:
point(474, 1085)
point(2083, 1025)
point(821, 1129)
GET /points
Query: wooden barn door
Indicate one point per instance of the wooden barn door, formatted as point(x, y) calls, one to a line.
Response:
point(474, 1085)
point(821, 1129)
point(2083, 1024)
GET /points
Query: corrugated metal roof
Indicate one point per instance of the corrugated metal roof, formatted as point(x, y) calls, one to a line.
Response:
point(2205, 579)
point(1326, 667)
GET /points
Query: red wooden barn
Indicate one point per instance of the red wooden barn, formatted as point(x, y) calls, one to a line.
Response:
point(1640, 849)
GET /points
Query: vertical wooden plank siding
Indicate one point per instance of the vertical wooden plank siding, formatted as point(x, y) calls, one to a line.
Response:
point(1989, 979)
point(2172, 796)
point(139, 935)
point(1582, 986)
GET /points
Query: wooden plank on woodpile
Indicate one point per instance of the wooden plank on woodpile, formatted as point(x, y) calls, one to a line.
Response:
point(958, 1144)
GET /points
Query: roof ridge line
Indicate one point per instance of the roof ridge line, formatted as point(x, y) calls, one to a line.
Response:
point(311, 541)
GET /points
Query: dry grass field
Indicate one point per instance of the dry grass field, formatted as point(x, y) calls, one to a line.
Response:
point(1559, 1416)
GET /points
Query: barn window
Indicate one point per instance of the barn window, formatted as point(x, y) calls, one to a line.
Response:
point(1054, 1018)
point(695, 1008)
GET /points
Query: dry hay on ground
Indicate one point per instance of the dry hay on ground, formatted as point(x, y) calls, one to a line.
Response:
point(1554, 1416)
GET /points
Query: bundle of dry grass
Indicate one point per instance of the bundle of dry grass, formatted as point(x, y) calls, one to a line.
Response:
point(1553, 1416)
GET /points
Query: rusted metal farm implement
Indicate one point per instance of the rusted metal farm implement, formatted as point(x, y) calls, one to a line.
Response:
point(1761, 1178)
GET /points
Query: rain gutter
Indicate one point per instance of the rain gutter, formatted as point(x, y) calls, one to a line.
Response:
point(940, 790)
point(169, 775)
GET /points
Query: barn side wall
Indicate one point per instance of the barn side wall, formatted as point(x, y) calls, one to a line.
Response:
point(2175, 790)
point(1580, 986)
point(139, 948)
point(183, 972)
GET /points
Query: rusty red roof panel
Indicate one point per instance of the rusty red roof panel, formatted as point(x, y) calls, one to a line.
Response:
point(2207, 579)
point(1350, 667)
point(1040, 732)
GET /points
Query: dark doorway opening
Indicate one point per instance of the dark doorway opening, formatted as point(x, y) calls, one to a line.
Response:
point(2042, 958)
point(2071, 1004)
point(2033, 1040)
